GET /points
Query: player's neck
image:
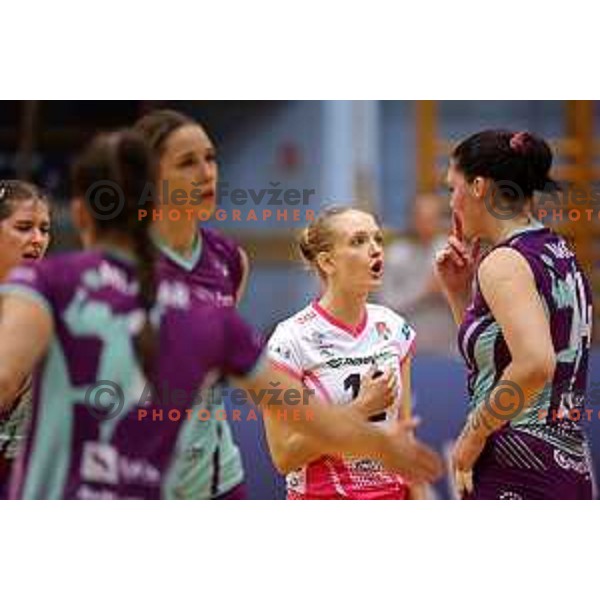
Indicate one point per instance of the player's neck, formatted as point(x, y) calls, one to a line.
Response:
point(118, 242)
point(179, 236)
point(348, 308)
point(502, 230)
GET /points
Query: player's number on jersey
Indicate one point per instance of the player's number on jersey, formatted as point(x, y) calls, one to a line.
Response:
point(581, 328)
point(581, 335)
point(353, 382)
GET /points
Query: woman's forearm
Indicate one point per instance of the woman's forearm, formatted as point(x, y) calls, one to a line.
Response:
point(292, 450)
point(516, 390)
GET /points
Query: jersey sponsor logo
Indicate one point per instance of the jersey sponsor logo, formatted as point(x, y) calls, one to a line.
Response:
point(406, 331)
point(214, 297)
point(318, 339)
point(509, 495)
point(101, 463)
point(281, 350)
point(303, 319)
point(336, 363)
point(366, 465)
point(293, 480)
point(174, 293)
point(383, 331)
point(571, 463)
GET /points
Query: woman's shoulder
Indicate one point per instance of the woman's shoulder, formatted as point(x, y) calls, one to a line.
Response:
point(219, 242)
point(299, 319)
point(380, 311)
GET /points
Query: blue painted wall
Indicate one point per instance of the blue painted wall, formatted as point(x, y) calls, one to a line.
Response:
point(251, 157)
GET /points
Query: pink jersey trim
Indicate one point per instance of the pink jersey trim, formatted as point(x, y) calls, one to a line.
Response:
point(318, 386)
point(353, 331)
point(412, 349)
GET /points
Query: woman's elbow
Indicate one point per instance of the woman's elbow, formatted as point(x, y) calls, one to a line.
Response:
point(284, 462)
point(540, 369)
point(289, 455)
point(282, 466)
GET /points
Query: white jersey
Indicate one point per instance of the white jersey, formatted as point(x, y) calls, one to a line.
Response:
point(330, 358)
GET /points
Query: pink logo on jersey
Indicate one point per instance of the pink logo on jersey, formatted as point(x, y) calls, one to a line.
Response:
point(383, 331)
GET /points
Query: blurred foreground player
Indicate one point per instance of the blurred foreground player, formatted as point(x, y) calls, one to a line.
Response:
point(209, 463)
point(24, 236)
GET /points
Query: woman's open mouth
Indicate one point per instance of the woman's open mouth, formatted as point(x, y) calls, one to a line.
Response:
point(377, 268)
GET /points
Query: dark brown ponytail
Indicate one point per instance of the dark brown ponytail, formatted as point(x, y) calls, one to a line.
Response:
point(117, 167)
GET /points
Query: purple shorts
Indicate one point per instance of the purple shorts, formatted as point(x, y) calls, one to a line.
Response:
point(518, 466)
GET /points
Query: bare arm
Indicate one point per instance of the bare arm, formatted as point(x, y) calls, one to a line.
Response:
point(508, 286)
point(291, 449)
point(25, 332)
point(340, 430)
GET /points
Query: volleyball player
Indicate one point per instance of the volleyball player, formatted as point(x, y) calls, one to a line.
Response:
point(334, 345)
point(209, 462)
point(101, 316)
point(24, 235)
point(524, 332)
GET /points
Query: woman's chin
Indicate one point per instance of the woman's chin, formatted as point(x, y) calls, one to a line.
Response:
point(204, 211)
point(375, 284)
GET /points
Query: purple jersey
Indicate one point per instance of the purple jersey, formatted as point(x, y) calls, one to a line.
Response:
point(208, 462)
point(214, 271)
point(567, 301)
point(73, 450)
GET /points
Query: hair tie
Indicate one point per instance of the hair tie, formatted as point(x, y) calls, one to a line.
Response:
point(518, 142)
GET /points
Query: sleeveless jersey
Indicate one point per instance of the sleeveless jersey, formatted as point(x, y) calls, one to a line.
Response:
point(567, 300)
